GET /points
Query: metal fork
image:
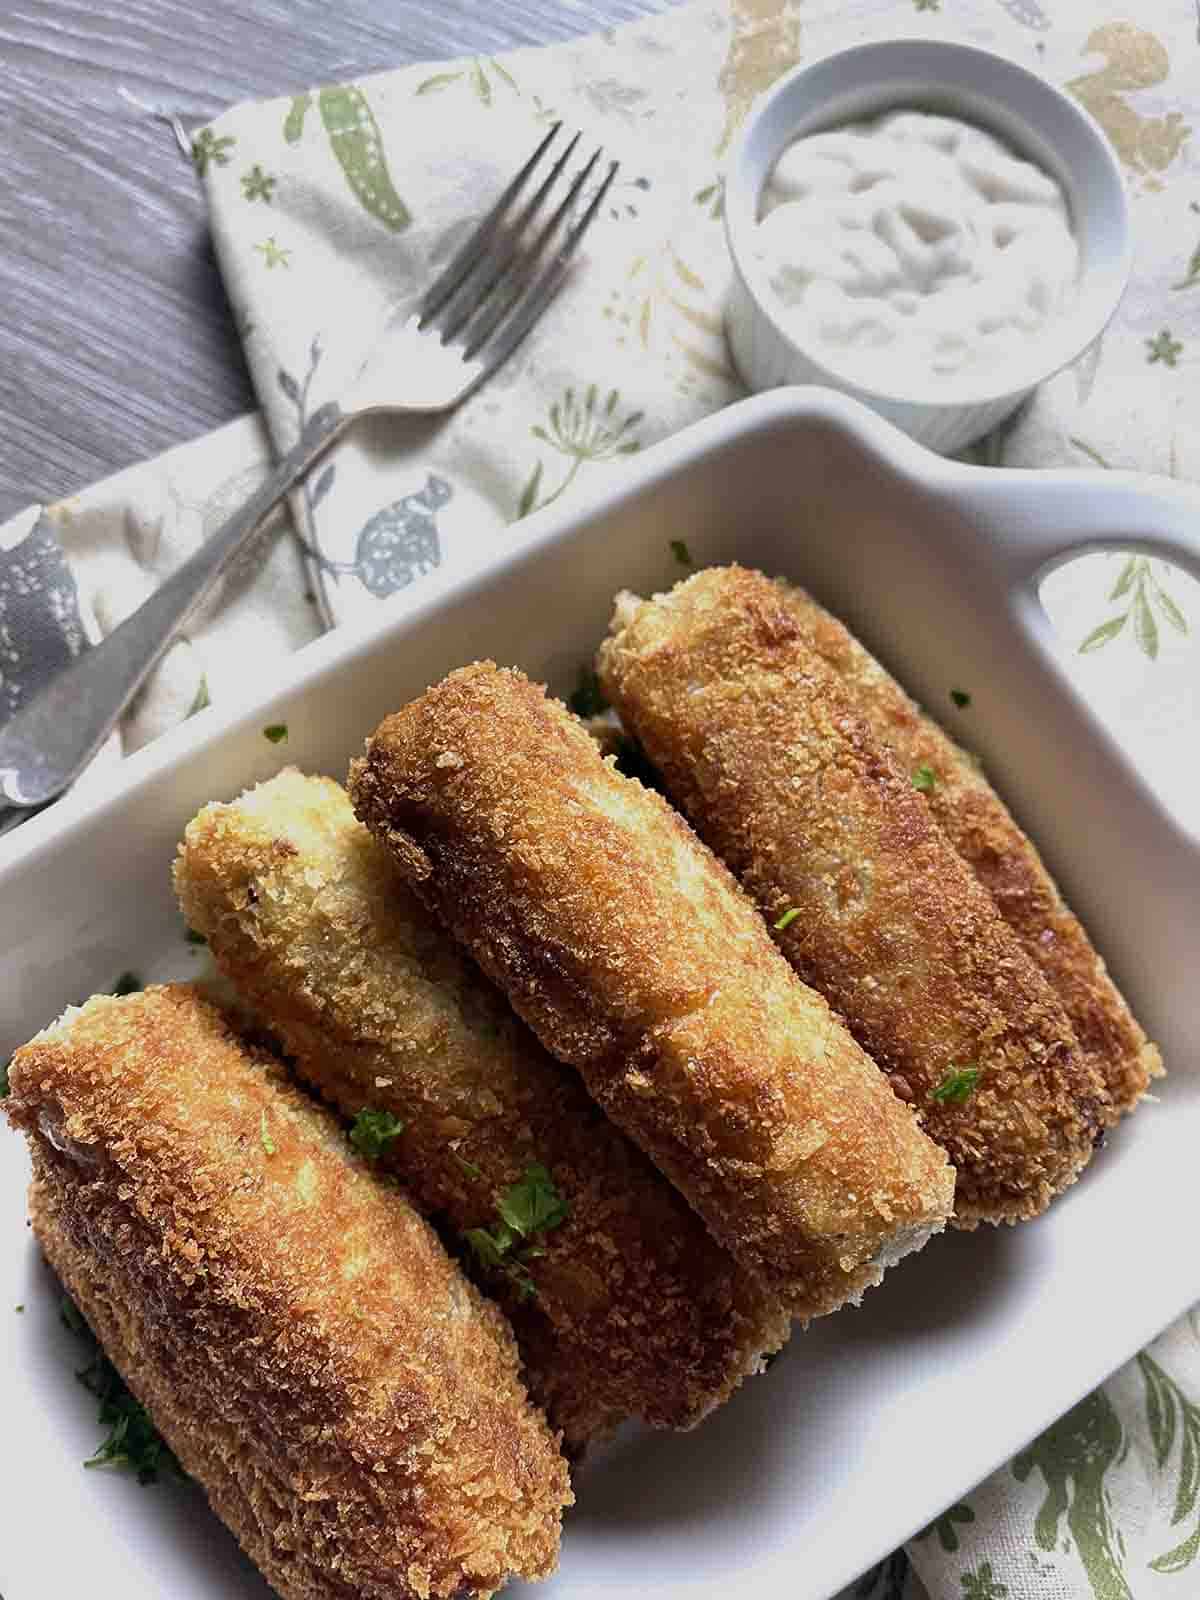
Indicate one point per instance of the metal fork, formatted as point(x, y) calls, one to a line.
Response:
point(495, 287)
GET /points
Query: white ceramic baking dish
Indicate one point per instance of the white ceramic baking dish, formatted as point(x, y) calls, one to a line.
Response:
point(875, 1419)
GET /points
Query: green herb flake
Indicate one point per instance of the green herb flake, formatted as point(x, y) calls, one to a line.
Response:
point(127, 983)
point(957, 1087)
point(264, 1133)
point(20, 1309)
point(277, 732)
point(961, 698)
point(469, 1167)
point(4, 1084)
point(588, 699)
point(924, 778)
point(195, 938)
point(788, 917)
point(681, 553)
point(133, 1444)
point(72, 1321)
point(488, 1249)
point(534, 1205)
point(373, 1131)
point(531, 1206)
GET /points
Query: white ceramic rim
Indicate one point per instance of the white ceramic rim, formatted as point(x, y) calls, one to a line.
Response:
point(975, 84)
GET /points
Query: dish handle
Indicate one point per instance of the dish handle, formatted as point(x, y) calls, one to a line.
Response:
point(1036, 521)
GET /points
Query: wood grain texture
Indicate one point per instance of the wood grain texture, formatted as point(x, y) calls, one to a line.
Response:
point(116, 340)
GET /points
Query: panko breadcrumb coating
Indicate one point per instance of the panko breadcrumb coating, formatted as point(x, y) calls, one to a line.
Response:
point(636, 958)
point(348, 1401)
point(636, 1310)
point(757, 742)
point(984, 833)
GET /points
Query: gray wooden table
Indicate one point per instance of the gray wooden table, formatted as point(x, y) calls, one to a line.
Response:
point(115, 336)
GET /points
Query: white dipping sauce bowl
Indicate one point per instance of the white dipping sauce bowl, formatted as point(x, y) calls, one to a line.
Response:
point(1033, 118)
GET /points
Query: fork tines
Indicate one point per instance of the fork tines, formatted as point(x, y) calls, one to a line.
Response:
point(501, 278)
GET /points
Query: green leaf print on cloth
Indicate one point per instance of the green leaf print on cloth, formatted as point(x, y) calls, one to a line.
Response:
point(1191, 276)
point(1073, 1457)
point(1145, 592)
point(257, 184)
point(273, 253)
point(357, 145)
point(944, 1527)
point(1171, 1416)
point(982, 1585)
point(209, 150)
point(582, 430)
point(478, 74)
point(293, 123)
point(1164, 347)
point(1143, 588)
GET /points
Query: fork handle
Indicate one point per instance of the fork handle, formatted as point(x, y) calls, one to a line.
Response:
point(48, 743)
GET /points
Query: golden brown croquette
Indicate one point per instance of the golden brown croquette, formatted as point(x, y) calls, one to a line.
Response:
point(350, 1404)
point(983, 832)
point(629, 1308)
point(757, 742)
point(636, 958)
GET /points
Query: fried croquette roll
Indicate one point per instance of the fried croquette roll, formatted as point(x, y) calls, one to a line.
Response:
point(350, 1404)
point(983, 832)
point(627, 1307)
point(633, 954)
point(757, 742)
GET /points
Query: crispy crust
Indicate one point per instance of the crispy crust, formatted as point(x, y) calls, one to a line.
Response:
point(758, 742)
point(350, 1404)
point(635, 957)
point(644, 1314)
point(983, 832)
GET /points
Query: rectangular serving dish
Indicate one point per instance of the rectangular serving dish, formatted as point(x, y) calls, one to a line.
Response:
point(875, 1419)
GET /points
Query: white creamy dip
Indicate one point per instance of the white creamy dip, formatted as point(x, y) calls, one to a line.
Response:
point(913, 248)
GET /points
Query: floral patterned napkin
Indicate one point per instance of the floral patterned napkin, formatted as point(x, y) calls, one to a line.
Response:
point(332, 207)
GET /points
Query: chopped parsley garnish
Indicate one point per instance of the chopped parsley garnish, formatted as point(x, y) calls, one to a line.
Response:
point(490, 1250)
point(534, 1204)
point(69, 1316)
point(4, 1084)
point(960, 697)
point(373, 1131)
point(681, 552)
point(588, 699)
point(264, 1133)
point(788, 917)
point(134, 1444)
point(20, 1308)
point(529, 1207)
point(469, 1167)
point(127, 983)
point(957, 1087)
point(195, 938)
point(924, 778)
point(276, 733)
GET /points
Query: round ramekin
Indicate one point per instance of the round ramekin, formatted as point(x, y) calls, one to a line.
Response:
point(1034, 118)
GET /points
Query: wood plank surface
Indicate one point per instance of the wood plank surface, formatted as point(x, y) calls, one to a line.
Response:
point(115, 336)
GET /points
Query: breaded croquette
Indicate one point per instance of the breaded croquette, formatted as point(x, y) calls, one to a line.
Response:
point(635, 957)
point(982, 830)
point(757, 742)
point(629, 1308)
point(350, 1404)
